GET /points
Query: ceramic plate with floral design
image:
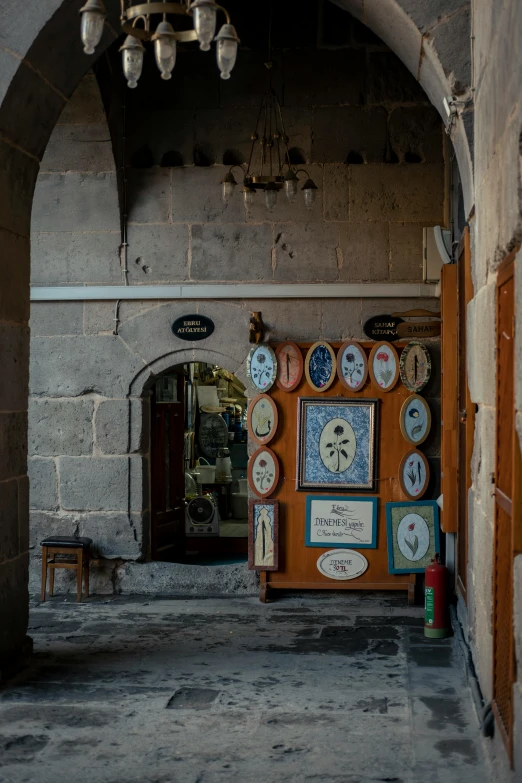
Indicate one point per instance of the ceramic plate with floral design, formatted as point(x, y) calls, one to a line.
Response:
point(384, 366)
point(320, 366)
point(414, 474)
point(262, 366)
point(415, 419)
point(263, 472)
point(352, 365)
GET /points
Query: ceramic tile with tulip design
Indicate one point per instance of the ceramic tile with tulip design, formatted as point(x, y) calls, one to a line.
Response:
point(414, 474)
point(263, 472)
point(384, 366)
point(413, 535)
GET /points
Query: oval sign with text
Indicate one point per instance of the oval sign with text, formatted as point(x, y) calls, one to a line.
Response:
point(192, 327)
point(342, 565)
point(382, 327)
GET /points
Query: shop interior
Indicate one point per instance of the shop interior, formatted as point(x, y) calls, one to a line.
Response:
point(199, 495)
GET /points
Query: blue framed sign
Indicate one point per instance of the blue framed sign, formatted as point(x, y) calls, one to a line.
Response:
point(341, 522)
point(413, 535)
point(337, 444)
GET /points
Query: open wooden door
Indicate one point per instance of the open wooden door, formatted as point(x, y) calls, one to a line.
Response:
point(507, 504)
point(168, 477)
point(466, 415)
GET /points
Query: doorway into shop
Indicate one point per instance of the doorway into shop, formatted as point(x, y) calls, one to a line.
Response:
point(199, 498)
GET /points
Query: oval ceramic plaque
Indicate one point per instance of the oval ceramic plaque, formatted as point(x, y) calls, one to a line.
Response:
point(262, 418)
point(342, 565)
point(262, 366)
point(384, 366)
point(289, 366)
point(414, 474)
point(320, 366)
point(263, 472)
point(352, 365)
point(413, 537)
point(415, 366)
point(415, 419)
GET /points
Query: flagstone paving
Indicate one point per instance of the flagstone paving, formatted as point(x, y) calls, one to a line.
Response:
point(339, 688)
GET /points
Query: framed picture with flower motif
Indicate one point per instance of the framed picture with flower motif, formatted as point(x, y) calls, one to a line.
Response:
point(263, 472)
point(352, 365)
point(415, 419)
point(413, 535)
point(262, 367)
point(262, 419)
point(263, 535)
point(337, 444)
point(414, 474)
point(384, 366)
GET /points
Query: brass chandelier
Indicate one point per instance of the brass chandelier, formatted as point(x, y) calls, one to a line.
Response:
point(269, 168)
point(139, 20)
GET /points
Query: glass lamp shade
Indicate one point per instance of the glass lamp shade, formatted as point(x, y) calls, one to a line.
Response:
point(309, 193)
point(91, 28)
point(270, 198)
point(226, 51)
point(204, 23)
point(248, 196)
point(165, 49)
point(133, 52)
point(227, 190)
point(291, 189)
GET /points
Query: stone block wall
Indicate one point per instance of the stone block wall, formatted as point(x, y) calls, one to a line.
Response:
point(497, 228)
point(372, 143)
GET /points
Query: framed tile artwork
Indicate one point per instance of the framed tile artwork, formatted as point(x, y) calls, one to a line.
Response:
point(320, 366)
point(263, 472)
point(337, 444)
point(352, 365)
point(263, 535)
point(414, 474)
point(262, 419)
point(415, 419)
point(384, 366)
point(415, 366)
point(413, 535)
point(290, 366)
point(343, 522)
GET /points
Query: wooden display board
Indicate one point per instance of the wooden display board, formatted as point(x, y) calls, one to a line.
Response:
point(298, 563)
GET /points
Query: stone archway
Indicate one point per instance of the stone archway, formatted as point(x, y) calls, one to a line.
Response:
point(41, 63)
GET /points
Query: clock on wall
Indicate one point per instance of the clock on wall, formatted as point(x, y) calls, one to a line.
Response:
point(262, 366)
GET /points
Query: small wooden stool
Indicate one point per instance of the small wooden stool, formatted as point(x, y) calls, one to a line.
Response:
point(55, 549)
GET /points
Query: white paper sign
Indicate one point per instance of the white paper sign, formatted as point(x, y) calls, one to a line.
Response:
point(342, 564)
point(341, 522)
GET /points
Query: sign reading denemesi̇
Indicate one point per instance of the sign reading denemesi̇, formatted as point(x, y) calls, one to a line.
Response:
point(192, 327)
point(342, 564)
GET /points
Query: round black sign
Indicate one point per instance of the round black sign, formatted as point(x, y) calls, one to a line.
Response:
point(193, 327)
point(382, 327)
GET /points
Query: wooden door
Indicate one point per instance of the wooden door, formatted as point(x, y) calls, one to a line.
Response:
point(507, 481)
point(168, 478)
point(466, 416)
point(449, 398)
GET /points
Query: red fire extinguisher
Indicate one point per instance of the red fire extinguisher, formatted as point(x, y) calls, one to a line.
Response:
point(436, 614)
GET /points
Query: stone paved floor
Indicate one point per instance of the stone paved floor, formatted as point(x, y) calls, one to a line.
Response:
point(331, 688)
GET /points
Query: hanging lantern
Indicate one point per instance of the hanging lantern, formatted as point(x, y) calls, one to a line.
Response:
point(165, 49)
point(204, 12)
point(93, 16)
point(132, 53)
point(310, 193)
point(228, 184)
point(291, 181)
point(226, 51)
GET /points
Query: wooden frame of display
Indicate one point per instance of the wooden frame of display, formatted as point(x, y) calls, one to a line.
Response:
point(251, 543)
point(401, 469)
point(307, 366)
point(341, 377)
point(273, 486)
point(402, 414)
point(297, 562)
point(300, 361)
point(252, 404)
point(373, 353)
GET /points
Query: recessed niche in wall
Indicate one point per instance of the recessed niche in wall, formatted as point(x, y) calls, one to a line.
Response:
point(142, 158)
point(171, 159)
